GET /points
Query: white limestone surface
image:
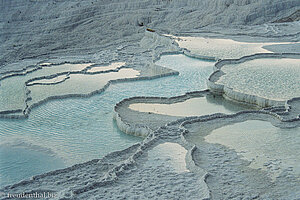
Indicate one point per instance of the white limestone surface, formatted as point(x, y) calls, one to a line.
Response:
point(112, 66)
point(170, 155)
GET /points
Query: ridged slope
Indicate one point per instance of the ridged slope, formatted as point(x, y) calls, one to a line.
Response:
point(31, 28)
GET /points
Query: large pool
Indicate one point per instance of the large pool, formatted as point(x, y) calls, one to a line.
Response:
point(61, 133)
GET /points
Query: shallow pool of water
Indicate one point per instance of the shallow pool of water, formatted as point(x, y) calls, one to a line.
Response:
point(266, 146)
point(222, 48)
point(191, 107)
point(276, 79)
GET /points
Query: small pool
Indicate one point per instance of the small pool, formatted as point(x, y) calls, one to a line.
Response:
point(198, 106)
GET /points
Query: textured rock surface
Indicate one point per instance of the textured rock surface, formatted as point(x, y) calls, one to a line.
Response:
point(46, 28)
point(293, 17)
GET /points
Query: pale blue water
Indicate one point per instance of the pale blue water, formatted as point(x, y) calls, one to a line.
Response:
point(271, 78)
point(11, 158)
point(267, 147)
point(75, 130)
